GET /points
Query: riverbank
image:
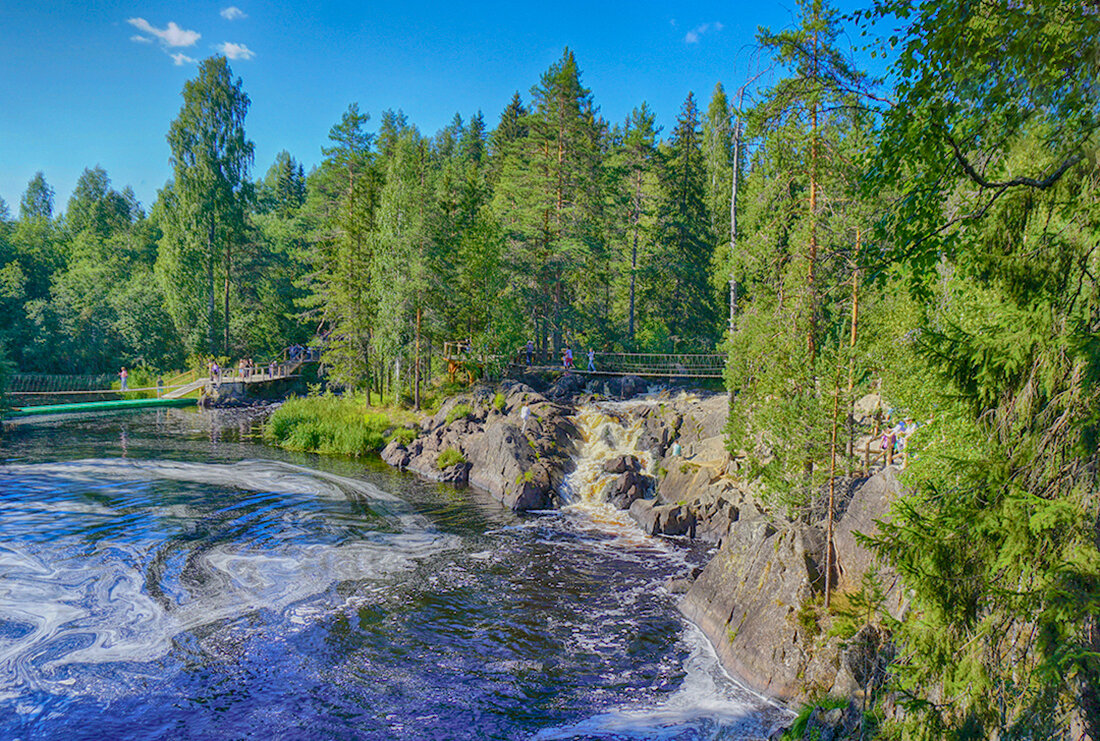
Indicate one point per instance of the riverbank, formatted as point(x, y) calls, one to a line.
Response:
point(661, 458)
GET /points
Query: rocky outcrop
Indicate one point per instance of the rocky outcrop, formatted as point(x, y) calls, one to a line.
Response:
point(522, 466)
point(758, 600)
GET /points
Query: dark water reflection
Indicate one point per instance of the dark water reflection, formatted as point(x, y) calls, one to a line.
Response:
point(163, 576)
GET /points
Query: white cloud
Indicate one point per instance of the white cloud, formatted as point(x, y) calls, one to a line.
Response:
point(141, 39)
point(173, 35)
point(181, 59)
point(233, 13)
point(235, 51)
point(692, 36)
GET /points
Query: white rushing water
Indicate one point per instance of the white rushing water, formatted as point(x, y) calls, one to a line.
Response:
point(710, 703)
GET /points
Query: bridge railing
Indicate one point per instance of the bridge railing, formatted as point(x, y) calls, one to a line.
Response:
point(36, 383)
point(684, 365)
point(681, 365)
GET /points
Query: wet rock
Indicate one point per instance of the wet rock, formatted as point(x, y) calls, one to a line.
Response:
point(458, 474)
point(663, 519)
point(622, 464)
point(396, 455)
point(678, 586)
point(632, 386)
point(567, 386)
point(748, 600)
point(627, 489)
point(535, 491)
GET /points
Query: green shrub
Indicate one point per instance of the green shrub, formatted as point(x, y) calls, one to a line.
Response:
point(449, 457)
point(403, 435)
point(333, 425)
point(460, 411)
point(798, 727)
point(498, 402)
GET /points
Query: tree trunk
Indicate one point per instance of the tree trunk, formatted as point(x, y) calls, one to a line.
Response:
point(832, 492)
point(733, 208)
point(416, 388)
point(228, 267)
point(210, 289)
point(852, 359)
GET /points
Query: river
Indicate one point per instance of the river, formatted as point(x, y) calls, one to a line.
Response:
point(164, 575)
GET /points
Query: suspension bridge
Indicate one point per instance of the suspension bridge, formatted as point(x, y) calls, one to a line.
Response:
point(461, 357)
point(65, 394)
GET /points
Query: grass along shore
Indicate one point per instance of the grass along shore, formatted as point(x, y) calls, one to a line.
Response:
point(338, 425)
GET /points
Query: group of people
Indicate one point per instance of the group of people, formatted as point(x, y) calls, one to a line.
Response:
point(566, 357)
point(895, 440)
point(246, 369)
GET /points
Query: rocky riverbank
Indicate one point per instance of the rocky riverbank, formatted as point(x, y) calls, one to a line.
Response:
point(662, 457)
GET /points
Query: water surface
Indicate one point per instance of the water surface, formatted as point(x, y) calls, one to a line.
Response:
point(164, 576)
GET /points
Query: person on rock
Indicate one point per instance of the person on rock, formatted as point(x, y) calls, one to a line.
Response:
point(524, 413)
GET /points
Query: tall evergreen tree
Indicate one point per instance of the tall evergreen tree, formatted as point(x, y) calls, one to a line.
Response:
point(680, 291)
point(547, 197)
point(801, 217)
point(351, 186)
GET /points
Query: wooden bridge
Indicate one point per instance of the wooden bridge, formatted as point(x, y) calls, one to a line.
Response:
point(76, 393)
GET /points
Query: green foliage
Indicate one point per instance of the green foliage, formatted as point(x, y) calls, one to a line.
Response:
point(459, 411)
point(5, 377)
point(334, 425)
point(797, 729)
point(449, 457)
point(202, 213)
point(498, 402)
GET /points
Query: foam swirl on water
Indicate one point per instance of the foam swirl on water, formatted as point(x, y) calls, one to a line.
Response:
point(113, 559)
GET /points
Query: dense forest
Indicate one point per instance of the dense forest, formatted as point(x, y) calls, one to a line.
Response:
point(932, 238)
point(554, 226)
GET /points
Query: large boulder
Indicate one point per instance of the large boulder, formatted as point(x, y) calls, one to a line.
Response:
point(663, 519)
point(396, 454)
point(749, 599)
point(458, 474)
point(533, 492)
point(622, 464)
point(629, 487)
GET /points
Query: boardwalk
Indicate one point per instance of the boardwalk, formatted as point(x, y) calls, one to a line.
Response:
point(95, 393)
point(646, 365)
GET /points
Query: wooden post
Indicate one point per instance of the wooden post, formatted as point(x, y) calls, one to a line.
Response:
point(832, 493)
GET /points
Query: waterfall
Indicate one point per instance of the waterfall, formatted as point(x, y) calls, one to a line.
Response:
point(604, 437)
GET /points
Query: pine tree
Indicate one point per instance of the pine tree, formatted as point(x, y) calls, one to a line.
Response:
point(548, 200)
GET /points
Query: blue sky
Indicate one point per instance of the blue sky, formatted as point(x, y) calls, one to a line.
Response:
point(87, 83)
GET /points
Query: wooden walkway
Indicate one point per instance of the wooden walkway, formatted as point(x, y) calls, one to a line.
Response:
point(178, 391)
point(461, 357)
point(644, 365)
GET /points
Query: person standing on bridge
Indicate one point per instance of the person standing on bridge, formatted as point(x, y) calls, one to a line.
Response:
point(591, 360)
point(122, 376)
point(530, 351)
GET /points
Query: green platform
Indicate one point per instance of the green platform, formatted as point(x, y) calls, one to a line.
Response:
point(99, 406)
